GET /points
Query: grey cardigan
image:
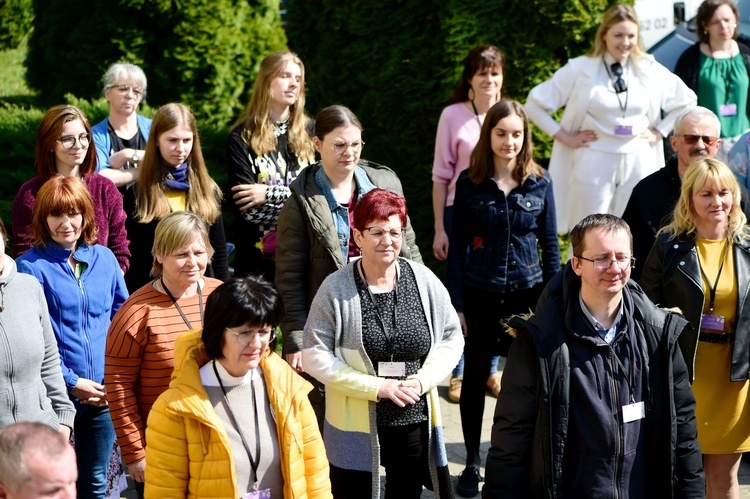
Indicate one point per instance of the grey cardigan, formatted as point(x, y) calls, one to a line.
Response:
point(31, 383)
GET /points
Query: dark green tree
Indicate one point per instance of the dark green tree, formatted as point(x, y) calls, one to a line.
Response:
point(204, 53)
point(15, 22)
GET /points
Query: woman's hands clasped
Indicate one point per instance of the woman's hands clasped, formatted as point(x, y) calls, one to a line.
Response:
point(90, 392)
point(400, 392)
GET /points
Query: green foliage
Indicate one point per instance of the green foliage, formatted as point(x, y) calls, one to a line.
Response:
point(395, 64)
point(201, 52)
point(16, 17)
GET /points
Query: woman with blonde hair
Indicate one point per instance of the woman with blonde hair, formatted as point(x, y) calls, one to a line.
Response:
point(173, 178)
point(266, 150)
point(701, 264)
point(619, 104)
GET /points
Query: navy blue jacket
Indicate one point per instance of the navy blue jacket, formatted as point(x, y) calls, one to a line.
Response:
point(536, 452)
point(495, 239)
point(80, 310)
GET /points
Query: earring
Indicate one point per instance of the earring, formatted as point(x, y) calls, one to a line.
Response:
point(471, 94)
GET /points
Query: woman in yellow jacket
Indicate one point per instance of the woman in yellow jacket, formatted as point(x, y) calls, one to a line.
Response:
point(236, 420)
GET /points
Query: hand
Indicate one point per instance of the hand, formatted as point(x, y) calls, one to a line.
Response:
point(137, 470)
point(65, 431)
point(580, 139)
point(118, 159)
point(462, 320)
point(399, 392)
point(414, 384)
point(295, 360)
point(90, 392)
point(247, 196)
point(652, 135)
point(440, 245)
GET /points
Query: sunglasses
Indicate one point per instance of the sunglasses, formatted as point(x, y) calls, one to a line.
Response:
point(693, 139)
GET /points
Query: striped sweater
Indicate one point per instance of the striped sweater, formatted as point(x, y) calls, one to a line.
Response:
point(139, 358)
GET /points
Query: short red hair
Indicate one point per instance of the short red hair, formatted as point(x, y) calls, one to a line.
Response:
point(379, 205)
point(60, 195)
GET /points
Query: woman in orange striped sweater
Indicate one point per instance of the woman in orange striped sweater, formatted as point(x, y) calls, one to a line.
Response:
point(140, 343)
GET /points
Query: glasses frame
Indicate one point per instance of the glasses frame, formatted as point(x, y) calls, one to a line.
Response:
point(125, 89)
point(79, 139)
point(692, 139)
point(630, 262)
point(346, 146)
point(389, 232)
point(254, 333)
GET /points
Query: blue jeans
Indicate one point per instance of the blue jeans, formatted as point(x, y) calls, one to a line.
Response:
point(94, 436)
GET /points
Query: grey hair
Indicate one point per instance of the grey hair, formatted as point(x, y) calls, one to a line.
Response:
point(699, 113)
point(20, 439)
point(131, 71)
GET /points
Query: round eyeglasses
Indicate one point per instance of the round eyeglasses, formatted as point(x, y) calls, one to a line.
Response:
point(341, 147)
point(68, 141)
point(245, 336)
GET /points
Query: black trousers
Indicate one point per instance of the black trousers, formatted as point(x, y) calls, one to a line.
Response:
point(403, 453)
point(485, 313)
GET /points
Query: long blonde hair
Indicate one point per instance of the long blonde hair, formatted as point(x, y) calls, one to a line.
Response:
point(203, 197)
point(698, 173)
point(258, 129)
point(615, 15)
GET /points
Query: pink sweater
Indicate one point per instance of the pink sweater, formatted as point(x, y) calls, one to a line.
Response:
point(457, 134)
point(110, 217)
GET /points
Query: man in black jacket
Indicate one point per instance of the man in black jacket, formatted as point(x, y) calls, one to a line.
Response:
point(696, 135)
point(596, 400)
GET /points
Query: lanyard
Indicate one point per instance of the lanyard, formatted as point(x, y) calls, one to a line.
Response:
point(726, 74)
point(177, 305)
point(623, 107)
point(627, 372)
point(476, 113)
point(386, 331)
point(254, 462)
point(716, 282)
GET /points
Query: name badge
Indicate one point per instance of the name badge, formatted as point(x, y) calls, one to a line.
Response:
point(728, 110)
point(633, 412)
point(623, 130)
point(257, 494)
point(394, 369)
point(711, 322)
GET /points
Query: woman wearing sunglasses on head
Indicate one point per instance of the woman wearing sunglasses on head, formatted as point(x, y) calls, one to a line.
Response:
point(610, 134)
point(236, 421)
point(121, 137)
point(63, 147)
point(700, 263)
point(265, 152)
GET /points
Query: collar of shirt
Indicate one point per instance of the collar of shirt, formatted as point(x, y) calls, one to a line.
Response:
point(607, 335)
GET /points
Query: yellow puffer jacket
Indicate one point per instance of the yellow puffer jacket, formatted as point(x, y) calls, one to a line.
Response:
point(188, 452)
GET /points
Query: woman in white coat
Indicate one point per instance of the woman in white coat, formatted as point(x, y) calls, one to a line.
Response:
point(610, 135)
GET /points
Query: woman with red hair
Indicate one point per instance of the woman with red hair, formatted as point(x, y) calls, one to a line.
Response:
point(84, 287)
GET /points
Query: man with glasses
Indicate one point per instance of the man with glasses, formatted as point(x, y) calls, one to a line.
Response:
point(596, 400)
point(696, 135)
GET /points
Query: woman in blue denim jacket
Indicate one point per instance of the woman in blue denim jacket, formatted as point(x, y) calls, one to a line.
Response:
point(503, 214)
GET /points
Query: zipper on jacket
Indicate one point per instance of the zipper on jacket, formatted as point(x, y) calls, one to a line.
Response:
point(618, 435)
point(84, 331)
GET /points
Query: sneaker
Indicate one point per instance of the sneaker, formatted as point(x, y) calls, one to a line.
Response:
point(494, 383)
point(468, 482)
point(454, 391)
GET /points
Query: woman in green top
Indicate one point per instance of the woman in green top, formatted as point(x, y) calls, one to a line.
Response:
point(717, 69)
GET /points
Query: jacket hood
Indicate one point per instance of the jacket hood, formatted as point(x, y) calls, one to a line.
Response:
point(12, 270)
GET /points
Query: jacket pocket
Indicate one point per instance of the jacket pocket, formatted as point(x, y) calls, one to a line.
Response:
point(525, 210)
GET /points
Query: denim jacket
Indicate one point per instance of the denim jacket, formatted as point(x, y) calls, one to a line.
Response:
point(495, 239)
point(340, 213)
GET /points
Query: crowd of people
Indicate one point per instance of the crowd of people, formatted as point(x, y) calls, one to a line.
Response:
point(143, 353)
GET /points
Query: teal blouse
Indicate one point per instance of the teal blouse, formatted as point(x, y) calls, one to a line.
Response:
point(724, 82)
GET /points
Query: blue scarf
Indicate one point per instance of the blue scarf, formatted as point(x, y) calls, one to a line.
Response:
point(177, 178)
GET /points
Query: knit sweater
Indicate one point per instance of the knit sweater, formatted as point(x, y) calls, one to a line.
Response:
point(31, 386)
point(333, 352)
point(108, 213)
point(139, 358)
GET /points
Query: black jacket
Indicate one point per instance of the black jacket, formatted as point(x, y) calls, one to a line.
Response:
point(689, 65)
point(672, 278)
point(650, 208)
point(530, 430)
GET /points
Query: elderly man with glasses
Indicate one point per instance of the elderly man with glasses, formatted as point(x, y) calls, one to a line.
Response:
point(696, 135)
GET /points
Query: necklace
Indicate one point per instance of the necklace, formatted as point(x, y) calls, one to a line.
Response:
point(280, 127)
point(476, 113)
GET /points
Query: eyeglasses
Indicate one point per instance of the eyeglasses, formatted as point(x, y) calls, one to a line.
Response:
point(124, 89)
point(247, 335)
point(68, 141)
point(379, 232)
point(619, 84)
point(341, 147)
point(691, 139)
point(603, 263)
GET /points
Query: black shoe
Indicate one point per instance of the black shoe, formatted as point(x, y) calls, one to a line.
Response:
point(468, 482)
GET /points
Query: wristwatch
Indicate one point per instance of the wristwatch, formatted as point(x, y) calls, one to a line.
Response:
point(135, 158)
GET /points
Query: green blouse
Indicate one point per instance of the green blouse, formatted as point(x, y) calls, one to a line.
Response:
point(722, 82)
